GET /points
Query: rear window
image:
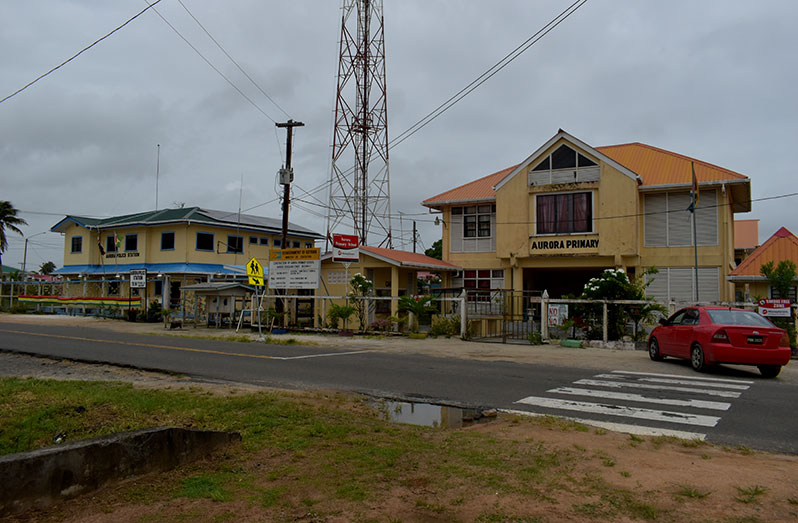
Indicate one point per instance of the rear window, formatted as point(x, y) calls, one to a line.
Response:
point(732, 317)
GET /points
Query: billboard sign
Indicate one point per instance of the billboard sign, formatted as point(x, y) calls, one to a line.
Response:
point(294, 269)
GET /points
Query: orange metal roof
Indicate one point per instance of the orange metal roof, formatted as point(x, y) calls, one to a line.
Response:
point(409, 259)
point(478, 190)
point(660, 167)
point(746, 234)
point(783, 245)
point(654, 165)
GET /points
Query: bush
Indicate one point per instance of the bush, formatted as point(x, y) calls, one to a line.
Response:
point(535, 338)
point(339, 312)
point(445, 326)
point(155, 312)
point(381, 325)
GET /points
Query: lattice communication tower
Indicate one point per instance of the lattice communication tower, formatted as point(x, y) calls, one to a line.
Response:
point(360, 195)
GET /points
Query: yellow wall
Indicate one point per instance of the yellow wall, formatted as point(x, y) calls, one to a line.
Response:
point(617, 240)
point(149, 245)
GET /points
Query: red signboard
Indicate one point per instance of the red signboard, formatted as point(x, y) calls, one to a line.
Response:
point(346, 248)
point(778, 308)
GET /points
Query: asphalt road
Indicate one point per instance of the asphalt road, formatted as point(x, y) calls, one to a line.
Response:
point(730, 406)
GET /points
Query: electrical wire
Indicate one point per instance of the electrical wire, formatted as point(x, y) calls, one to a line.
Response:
point(226, 79)
point(59, 66)
point(233, 59)
point(487, 75)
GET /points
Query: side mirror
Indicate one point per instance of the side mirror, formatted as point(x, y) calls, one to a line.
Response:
point(663, 322)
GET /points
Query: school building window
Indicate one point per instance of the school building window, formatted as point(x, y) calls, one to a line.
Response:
point(110, 243)
point(204, 241)
point(253, 240)
point(77, 244)
point(678, 284)
point(479, 279)
point(295, 244)
point(235, 244)
point(308, 245)
point(264, 241)
point(564, 213)
point(277, 243)
point(668, 223)
point(167, 241)
point(473, 228)
point(564, 165)
point(131, 242)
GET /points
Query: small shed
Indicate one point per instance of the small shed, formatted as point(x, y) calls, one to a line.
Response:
point(223, 300)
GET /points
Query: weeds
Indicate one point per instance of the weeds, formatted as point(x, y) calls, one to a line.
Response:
point(686, 491)
point(751, 494)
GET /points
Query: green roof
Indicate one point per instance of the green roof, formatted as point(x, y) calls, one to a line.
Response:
point(185, 215)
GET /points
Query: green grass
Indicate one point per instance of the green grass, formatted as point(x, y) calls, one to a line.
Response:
point(687, 491)
point(750, 495)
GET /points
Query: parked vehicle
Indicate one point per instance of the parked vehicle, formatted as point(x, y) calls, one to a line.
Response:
point(711, 335)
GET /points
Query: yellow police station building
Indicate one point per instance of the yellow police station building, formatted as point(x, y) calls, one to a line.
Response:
point(177, 247)
point(570, 210)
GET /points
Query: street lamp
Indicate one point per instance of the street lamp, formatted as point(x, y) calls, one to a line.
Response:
point(25, 255)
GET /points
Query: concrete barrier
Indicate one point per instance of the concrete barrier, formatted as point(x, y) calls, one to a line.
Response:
point(40, 478)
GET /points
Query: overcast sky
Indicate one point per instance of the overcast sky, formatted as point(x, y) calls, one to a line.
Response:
point(714, 80)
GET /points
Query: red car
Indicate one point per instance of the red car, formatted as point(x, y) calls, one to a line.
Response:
point(710, 335)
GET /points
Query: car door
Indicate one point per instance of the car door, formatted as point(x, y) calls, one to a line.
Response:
point(684, 333)
point(667, 334)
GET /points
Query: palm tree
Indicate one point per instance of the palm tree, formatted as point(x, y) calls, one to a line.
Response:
point(8, 219)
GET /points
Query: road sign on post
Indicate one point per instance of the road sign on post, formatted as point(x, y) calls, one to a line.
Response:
point(138, 278)
point(255, 272)
point(346, 248)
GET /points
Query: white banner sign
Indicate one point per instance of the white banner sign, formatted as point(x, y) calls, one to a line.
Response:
point(558, 313)
point(294, 274)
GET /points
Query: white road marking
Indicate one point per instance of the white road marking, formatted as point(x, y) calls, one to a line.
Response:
point(621, 384)
point(700, 378)
point(624, 411)
point(620, 427)
point(324, 355)
point(684, 381)
point(699, 404)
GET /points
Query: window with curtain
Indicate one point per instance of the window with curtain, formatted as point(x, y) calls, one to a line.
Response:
point(564, 213)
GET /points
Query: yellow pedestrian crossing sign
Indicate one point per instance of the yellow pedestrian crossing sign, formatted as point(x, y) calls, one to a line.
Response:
point(255, 272)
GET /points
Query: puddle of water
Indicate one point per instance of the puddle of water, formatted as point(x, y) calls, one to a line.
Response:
point(430, 415)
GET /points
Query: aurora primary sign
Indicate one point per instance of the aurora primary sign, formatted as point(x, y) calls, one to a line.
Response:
point(564, 244)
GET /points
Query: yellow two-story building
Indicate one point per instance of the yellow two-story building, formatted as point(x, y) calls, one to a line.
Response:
point(569, 211)
point(176, 247)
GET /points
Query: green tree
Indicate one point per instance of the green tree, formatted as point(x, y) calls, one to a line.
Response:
point(47, 267)
point(782, 278)
point(436, 251)
point(8, 220)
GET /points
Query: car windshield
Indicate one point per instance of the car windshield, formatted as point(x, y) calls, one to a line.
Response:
point(733, 317)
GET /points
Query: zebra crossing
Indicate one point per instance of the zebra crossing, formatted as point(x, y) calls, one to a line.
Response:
point(642, 403)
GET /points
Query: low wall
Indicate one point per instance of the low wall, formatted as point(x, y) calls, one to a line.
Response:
point(42, 477)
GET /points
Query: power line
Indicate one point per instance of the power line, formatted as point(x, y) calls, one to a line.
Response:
point(230, 82)
point(233, 60)
point(487, 75)
point(149, 6)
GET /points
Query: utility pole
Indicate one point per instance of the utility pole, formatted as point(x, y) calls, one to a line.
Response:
point(287, 174)
point(414, 236)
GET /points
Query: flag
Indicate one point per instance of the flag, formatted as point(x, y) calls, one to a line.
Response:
point(100, 244)
point(693, 191)
point(118, 239)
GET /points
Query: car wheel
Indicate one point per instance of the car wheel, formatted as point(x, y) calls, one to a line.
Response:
point(769, 371)
point(653, 350)
point(697, 358)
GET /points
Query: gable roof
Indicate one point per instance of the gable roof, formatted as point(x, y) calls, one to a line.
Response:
point(411, 260)
point(783, 245)
point(660, 167)
point(651, 166)
point(185, 215)
point(476, 191)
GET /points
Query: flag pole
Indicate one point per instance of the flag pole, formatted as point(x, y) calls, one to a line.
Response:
point(693, 206)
